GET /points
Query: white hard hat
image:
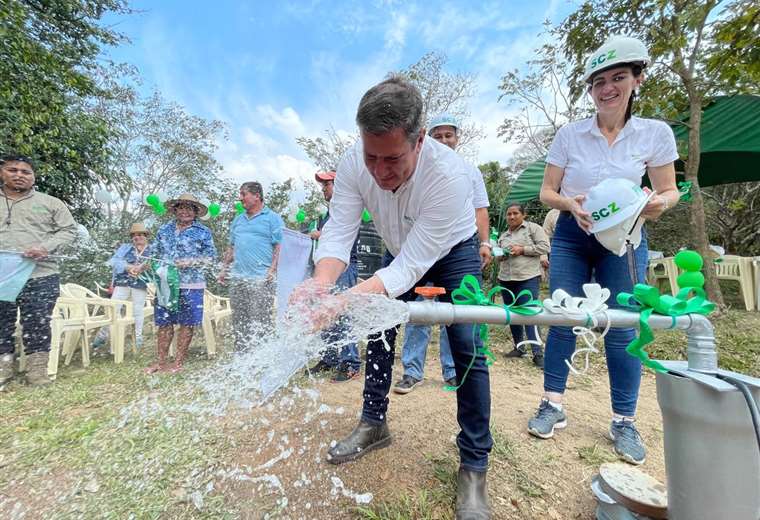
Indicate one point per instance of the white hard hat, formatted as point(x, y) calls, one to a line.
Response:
point(615, 206)
point(616, 50)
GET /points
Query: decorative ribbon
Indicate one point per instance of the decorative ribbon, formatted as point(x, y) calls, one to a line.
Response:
point(572, 306)
point(469, 292)
point(647, 300)
point(684, 188)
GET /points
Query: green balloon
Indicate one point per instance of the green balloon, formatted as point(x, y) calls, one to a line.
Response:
point(239, 207)
point(214, 209)
point(159, 208)
point(153, 199)
point(689, 261)
point(366, 216)
point(300, 216)
point(691, 279)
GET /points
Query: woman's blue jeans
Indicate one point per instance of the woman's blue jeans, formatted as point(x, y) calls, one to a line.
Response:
point(575, 257)
point(520, 331)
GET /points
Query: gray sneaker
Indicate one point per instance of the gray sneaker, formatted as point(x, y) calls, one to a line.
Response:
point(547, 418)
point(627, 442)
point(406, 385)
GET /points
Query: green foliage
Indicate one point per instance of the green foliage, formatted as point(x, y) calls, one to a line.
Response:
point(48, 51)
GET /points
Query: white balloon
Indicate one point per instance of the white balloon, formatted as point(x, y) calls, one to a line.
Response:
point(205, 217)
point(162, 196)
point(103, 196)
point(115, 196)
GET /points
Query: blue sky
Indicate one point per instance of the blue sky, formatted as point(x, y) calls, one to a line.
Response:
point(274, 71)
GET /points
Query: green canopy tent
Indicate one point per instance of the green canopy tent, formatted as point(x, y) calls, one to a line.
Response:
point(730, 146)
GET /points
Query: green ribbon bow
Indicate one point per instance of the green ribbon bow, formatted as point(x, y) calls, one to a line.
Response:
point(684, 188)
point(646, 300)
point(470, 293)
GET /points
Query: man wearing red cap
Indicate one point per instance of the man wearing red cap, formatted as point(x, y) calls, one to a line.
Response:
point(347, 363)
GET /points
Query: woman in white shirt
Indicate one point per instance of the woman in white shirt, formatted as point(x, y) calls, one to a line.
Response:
point(610, 144)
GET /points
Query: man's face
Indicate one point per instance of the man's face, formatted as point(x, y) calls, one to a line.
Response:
point(447, 135)
point(390, 157)
point(327, 189)
point(248, 199)
point(185, 213)
point(17, 175)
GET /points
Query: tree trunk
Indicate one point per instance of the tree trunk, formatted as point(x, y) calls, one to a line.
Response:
point(697, 206)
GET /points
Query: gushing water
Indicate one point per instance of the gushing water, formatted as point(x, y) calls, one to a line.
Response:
point(287, 424)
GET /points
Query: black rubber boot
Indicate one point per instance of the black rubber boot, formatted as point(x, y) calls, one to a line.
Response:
point(363, 439)
point(472, 496)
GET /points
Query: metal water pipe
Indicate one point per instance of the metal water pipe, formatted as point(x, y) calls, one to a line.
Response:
point(711, 456)
point(699, 331)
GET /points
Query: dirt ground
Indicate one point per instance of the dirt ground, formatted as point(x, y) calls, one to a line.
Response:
point(285, 474)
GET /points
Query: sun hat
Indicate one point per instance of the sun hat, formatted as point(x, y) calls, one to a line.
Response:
point(615, 51)
point(137, 228)
point(187, 198)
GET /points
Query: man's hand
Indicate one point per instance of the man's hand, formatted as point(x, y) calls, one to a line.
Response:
point(222, 278)
point(313, 302)
point(315, 234)
point(516, 250)
point(545, 263)
point(485, 256)
point(36, 253)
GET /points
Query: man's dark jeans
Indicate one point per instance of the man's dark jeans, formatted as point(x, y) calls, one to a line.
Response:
point(474, 396)
point(36, 302)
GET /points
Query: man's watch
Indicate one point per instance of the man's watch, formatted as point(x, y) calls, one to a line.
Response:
point(486, 244)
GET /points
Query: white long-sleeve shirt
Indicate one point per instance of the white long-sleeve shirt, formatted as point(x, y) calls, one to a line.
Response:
point(420, 222)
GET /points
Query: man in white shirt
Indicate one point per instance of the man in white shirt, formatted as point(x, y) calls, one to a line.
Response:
point(444, 128)
point(420, 195)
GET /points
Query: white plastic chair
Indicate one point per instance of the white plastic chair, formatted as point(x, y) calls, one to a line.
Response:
point(663, 270)
point(738, 269)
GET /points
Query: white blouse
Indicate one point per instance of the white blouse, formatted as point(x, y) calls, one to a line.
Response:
point(583, 153)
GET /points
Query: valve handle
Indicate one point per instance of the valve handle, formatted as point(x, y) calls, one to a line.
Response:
point(429, 292)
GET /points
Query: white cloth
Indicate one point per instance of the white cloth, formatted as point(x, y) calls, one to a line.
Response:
point(582, 152)
point(15, 270)
point(426, 216)
point(137, 297)
point(479, 193)
point(292, 266)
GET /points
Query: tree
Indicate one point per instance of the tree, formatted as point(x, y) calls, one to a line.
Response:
point(687, 43)
point(447, 92)
point(326, 153)
point(441, 91)
point(48, 51)
point(545, 102)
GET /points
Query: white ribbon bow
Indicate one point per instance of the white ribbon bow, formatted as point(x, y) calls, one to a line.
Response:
point(594, 302)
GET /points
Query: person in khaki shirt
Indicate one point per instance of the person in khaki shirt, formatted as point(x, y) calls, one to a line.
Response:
point(32, 226)
point(524, 243)
point(550, 224)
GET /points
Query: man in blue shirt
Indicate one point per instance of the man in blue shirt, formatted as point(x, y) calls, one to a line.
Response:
point(187, 245)
point(255, 238)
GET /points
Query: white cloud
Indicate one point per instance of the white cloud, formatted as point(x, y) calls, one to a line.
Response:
point(287, 121)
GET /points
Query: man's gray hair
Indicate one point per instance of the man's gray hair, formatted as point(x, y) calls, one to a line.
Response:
point(254, 188)
point(393, 103)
